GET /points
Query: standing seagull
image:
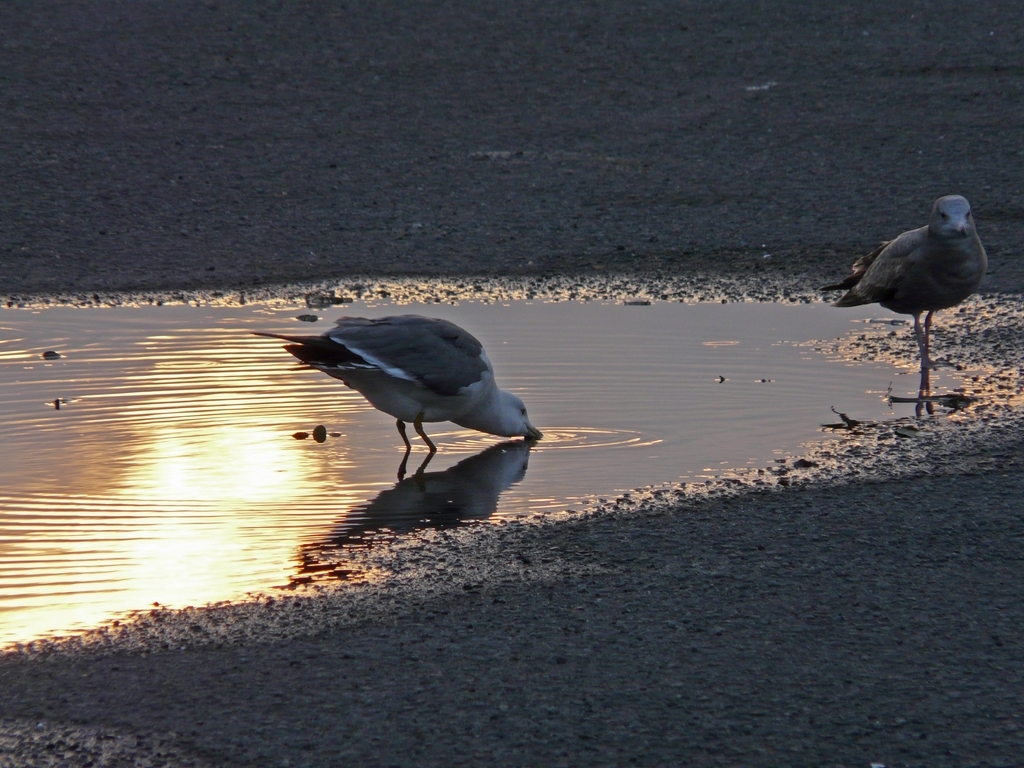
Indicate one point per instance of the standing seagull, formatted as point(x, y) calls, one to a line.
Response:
point(922, 270)
point(416, 369)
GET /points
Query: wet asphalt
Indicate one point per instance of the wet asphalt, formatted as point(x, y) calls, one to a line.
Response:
point(223, 145)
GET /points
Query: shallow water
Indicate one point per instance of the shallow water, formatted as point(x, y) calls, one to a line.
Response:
point(169, 474)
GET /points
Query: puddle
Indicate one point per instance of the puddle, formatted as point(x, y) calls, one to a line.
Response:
point(169, 473)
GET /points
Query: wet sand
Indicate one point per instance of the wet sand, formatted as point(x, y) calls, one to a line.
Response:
point(226, 148)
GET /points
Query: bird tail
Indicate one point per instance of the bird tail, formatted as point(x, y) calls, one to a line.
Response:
point(843, 285)
point(860, 266)
point(318, 351)
point(851, 299)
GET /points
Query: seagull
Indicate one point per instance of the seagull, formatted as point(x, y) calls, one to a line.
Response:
point(417, 369)
point(922, 270)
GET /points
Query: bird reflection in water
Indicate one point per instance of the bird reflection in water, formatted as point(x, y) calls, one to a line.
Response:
point(924, 390)
point(925, 401)
point(465, 492)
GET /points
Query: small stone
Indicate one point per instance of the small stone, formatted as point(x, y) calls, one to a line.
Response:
point(320, 433)
point(300, 435)
point(307, 318)
point(319, 299)
point(51, 355)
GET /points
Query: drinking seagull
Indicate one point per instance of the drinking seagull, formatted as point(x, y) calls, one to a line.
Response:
point(416, 369)
point(922, 270)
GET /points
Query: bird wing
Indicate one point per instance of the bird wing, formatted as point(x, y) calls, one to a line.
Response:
point(883, 269)
point(860, 266)
point(434, 353)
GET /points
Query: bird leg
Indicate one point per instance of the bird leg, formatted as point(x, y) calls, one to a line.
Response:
point(408, 448)
point(922, 339)
point(405, 439)
point(418, 426)
point(927, 336)
point(926, 360)
point(923, 392)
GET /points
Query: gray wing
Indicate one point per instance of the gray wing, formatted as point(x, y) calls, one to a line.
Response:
point(435, 353)
point(883, 270)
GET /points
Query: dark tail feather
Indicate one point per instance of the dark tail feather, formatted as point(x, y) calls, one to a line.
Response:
point(317, 350)
point(845, 285)
point(860, 266)
point(852, 300)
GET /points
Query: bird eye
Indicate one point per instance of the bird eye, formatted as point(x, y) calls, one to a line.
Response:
point(945, 215)
point(523, 411)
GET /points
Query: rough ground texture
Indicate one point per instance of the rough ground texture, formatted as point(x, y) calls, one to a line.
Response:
point(224, 146)
point(221, 144)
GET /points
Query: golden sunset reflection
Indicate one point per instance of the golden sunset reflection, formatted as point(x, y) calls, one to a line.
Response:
point(169, 474)
point(245, 463)
point(171, 478)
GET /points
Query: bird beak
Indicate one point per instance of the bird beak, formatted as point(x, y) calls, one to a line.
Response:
point(532, 433)
point(962, 229)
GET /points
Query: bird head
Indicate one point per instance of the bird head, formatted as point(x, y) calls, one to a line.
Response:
point(515, 421)
point(951, 217)
point(500, 414)
point(524, 427)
